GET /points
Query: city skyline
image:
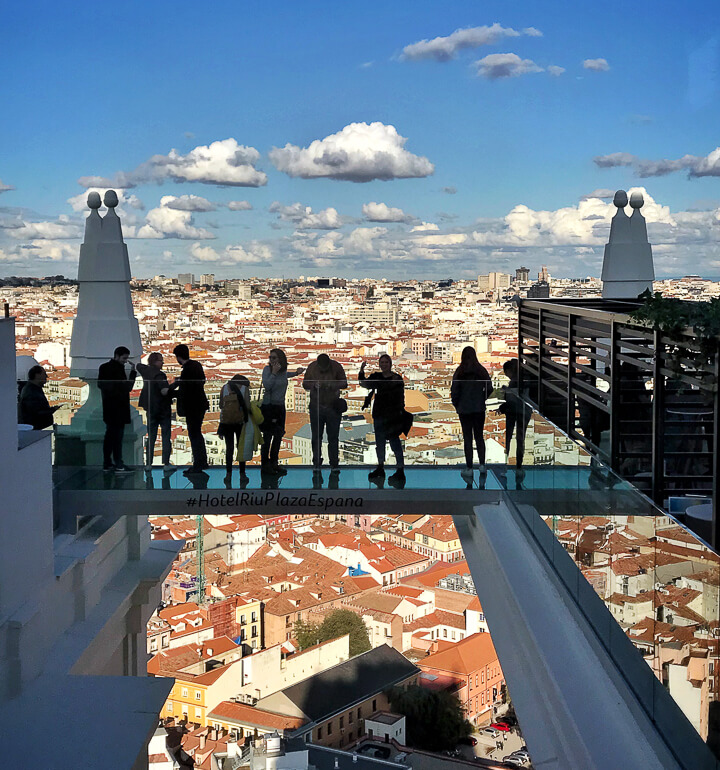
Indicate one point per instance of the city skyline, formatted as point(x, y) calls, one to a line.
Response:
point(404, 142)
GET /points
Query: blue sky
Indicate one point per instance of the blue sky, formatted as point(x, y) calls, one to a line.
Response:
point(404, 139)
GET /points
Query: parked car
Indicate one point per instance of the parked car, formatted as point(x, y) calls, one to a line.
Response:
point(514, 761)
point(471, 740)
point(501, 726)
point(490, 732)
point(523, 756)
point(509, 720)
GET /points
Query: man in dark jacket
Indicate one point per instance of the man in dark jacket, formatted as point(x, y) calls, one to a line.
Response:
point(155, 400)
point(192, 404)
point(325, 378)
point(34, 407)
point(115, 387)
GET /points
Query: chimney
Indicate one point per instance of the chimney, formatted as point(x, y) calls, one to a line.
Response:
point(202, 741)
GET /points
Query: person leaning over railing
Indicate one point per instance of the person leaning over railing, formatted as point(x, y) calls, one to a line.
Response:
point(325, 379)
point(275, 383)
point(388, 411)
point(470, 388)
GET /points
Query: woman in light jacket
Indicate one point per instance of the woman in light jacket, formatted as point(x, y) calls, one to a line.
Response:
point(237, 426)
point(275, 383)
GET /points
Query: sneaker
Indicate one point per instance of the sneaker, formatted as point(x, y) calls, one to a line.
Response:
point(467, 473)
point(378, 473)
point(123, 469)
point(397, 480)
point(108, 468)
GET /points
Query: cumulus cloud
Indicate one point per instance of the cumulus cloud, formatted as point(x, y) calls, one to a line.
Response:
point(603, 193)
point(254, 253)
point(168, 221)
point(424, 227)
point(5, 187)
point(596, 65)
point(191, 203)
point(360, 152)
point(62, 229)
point(444, 49)
point(505, 65)
point(45, 250)
point(240, 206)
point(222, 163)
point(555, 71)
point(381, 212)
point(304, 218)
point(696, 166)
point(126, 201)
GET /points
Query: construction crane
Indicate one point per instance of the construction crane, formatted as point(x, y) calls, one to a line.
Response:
point(200, 546)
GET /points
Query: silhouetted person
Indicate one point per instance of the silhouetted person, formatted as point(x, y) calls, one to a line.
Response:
point(388, 408)
point(325, 379)
point(237, 426)
point(192, 403)
point(156, 401)
point(115, 386)
point(469, 390)
point(516, 411)
point(275, 382)
point(34, 407)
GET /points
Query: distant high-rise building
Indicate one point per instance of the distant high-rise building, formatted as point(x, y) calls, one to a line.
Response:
point(207, 279)
point(493, 281)
point(543, 275)
point(522, 275)
point(184, 278)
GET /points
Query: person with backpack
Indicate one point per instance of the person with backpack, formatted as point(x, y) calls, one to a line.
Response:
point(237, 425)
point(470, 388)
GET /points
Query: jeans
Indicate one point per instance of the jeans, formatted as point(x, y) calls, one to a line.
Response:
point(381, 437)
point(324, 418)
point(152, 430)
point(473, 425)
point(112, 443)
point(517, 423)
point(197, 442)
point(232, 436)
point(273, 429)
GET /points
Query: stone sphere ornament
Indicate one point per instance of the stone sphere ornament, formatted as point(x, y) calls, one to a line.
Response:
point(94, 201)
point(620, 199)
point(637, 200)
point(111, 199)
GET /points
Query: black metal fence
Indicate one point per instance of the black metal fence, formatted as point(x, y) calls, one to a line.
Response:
point(643, 402)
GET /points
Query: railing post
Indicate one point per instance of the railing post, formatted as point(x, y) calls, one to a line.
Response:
point(540, 390)
point(658, 432)
point(570, 405)
point(715, 532)
point(614, 398)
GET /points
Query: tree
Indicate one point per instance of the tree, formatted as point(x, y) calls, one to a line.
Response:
point(336, 624)
point(435, 719)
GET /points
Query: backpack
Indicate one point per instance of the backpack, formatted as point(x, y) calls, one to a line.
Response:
point(230, 411)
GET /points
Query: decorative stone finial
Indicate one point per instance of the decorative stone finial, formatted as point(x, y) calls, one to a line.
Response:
point(111, 199)
point(94, 201)
point(637, 200)
point(620, 199)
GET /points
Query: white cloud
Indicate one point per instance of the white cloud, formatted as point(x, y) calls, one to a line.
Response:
point(602, 192)
point(596, 65)
point(446, 48)
point(505, 65)
point(695, 165)
point(223, 163)
point(5, 187)
point(381, 212)
point(49, 251)
point(126, 201)
point(165, 221)
point(360, 152)
point(254, 253)
point(240, 206)
point(47, 231)
point(424, 227)
point(304, 218)
point(191, 203)
point(555, 71)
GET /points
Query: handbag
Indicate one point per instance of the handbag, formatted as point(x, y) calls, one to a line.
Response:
point(340, 406)
point(406, 422)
